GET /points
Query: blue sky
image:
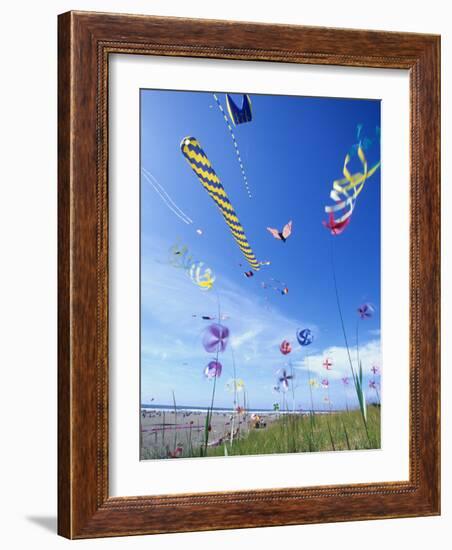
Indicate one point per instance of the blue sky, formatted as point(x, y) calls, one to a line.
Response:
point(292, 151)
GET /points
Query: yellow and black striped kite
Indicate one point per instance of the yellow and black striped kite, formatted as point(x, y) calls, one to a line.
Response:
point(200, 164)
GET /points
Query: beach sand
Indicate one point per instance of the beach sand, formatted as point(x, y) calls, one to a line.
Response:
point(164, 432)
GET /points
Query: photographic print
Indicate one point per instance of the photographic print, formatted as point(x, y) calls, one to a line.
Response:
point(260, 274)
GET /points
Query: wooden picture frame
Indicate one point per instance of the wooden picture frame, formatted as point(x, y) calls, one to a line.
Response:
point(85, 42)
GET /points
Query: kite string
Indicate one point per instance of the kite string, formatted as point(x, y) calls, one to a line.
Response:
point(163, 190)
point(234, 142)
point(293, 386)
point(357, 341)
point(235, 396)
point(309, 382)
point(210, 411)
point(311, 413)
point(166, 199)
point(345, 334)
point(340, 309)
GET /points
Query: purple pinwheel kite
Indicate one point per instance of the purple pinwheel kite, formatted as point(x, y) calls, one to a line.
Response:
point(213, 370)
point(215, 338)
point(365, 311)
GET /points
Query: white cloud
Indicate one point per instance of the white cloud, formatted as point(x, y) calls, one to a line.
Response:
point(170, 299)
point(369, 354)
point(173, 355)
point(241, 339)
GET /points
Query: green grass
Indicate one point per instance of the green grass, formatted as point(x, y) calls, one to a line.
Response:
point(296, 434)
point(339, 431)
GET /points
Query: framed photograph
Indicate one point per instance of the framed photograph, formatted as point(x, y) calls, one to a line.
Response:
point(248, 275)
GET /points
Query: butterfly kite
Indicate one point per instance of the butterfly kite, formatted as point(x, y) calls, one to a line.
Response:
point(282, 235)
